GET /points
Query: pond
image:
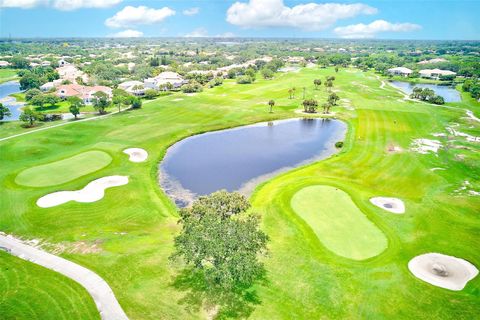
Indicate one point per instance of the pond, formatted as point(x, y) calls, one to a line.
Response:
point(239, 159)
point(11, 103)
point(450, 94)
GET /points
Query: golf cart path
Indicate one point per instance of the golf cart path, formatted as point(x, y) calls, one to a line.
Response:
point(102, 294)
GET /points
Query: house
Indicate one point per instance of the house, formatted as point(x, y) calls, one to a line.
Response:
point(46, 63)
point(436, 60)
point(133, 87)
point(83, 92)
point(50, 85)
point(435, 73)
point(400, 71)
point(4, 64)
point(162, 79)
point(71, 73)
point(62, 62)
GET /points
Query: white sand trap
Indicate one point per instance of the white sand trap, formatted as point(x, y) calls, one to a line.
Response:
point(425, 146)
point(92, 192)
point(392, 205)
point(136, 154)
point(443, 271)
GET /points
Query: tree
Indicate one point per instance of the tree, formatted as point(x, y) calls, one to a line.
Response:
point(244, 79)
point(151, 94)
point(117, 100)
point(267, 73)
point(310, 105)
point(29, 94)
point(51, 99)
point(271, 103)
point(75, 105)
point(317, 82)
point(333, 98)
point(329, 84)
point(30, 81)
point(38, 100)
point(220, 242)
point(326, 107)
point(4, 112)
point(30, 117)
point(100, 101)
point(336, 69)
point(136, 103)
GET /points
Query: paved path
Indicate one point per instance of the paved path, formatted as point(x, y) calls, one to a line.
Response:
point(101, 293)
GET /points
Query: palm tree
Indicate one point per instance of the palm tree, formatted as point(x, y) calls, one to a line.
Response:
point(290, 91)
point(293, 90)
point(333, 98)
point(271, 103)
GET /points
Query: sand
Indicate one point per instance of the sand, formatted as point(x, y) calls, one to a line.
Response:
point(92, 192)
point(443, 271)
point(392, 205)
point(425, 146)
point(456, 133)
point(136, 154)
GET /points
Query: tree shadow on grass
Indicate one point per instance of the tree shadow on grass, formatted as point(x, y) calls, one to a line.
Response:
point(238, 302)
point(46, 108)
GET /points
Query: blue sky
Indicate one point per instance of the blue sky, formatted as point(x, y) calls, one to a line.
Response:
point(387, 19)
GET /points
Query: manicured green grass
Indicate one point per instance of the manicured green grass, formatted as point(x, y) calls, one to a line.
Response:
point(33, 292)
point(338, 223)
point(62, 171)
point(7, 74)
point(134, 225)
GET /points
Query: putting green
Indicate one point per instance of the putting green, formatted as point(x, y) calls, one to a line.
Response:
point(65, 170)
point(338, 223)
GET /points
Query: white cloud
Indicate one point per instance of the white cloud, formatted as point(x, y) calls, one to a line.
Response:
point(24, 4)
point(197, 33)
point(130, 16)
point(363, 31)
point(191, 11)
point(129, 33)
point(65, 5)
point(309, 16)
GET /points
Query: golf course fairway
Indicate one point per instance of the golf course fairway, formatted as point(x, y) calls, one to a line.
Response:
point(338, 223)
point(128, 236)
point(58, 172)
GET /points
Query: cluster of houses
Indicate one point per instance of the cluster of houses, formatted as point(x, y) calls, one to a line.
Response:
point(426, 73)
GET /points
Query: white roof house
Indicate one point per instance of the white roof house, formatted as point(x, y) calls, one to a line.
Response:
point(435, 60)
point(163, 78)
point(71, 73)
point(133, 87)
point(402, 71)
point(435, 73)
point(4, 64)
point(50, 85)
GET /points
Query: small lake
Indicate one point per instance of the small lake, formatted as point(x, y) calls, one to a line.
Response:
point(11, 103)
point(450, 94)
point(239, 159)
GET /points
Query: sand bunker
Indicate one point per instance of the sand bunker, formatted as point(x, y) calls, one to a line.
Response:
point(136, 154)
point(392, 205)
point(92, 192)
point(443, 271)
point(425, 146)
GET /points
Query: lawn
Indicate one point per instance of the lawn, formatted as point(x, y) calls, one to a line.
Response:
point(7, 74)
point(338, 223)
point(62, 171)
point(134, 225)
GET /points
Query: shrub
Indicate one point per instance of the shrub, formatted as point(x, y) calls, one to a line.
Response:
point(339, 144)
